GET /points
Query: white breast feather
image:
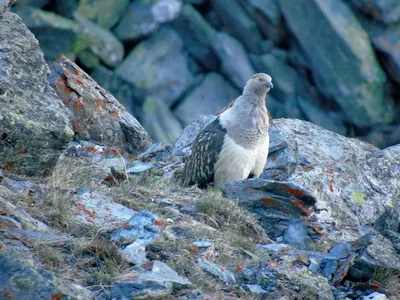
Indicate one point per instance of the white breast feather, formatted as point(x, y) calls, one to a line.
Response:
point(234, 162)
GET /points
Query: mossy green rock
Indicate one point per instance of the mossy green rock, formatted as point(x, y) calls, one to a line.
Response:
point(106, 13)
point(34, 123)
point(56, 35)
point(341, 58)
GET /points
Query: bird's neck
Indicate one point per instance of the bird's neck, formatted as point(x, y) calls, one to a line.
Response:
point(255, 96)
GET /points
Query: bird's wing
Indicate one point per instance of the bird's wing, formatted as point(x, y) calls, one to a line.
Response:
point(199, 167)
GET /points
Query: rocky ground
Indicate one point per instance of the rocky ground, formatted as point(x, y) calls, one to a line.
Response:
point(335, 63)
point(92, 208)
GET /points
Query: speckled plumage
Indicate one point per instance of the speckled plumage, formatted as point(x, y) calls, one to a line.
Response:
point(235, 145)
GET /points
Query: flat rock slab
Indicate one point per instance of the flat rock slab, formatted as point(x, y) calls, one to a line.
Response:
point(97, 115)
point(21, 277)
point(95, 209)
point(344, 66)
point(28, 237)
point(156, 281)
point(34, 123)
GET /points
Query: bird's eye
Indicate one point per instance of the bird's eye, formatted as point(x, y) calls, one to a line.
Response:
point(259, 78)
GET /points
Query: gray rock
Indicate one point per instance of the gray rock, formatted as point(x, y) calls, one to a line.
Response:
point(49, 27)
point(158, 67)
point(387, 42)
point(13, 217)
point(103, 12)
point(350, 181)
point(240, 23)
point(283, 75)
point(222, 273)
point(136, 234)
point(29, 236)
point(95, 209)
point(235, 63)
point(327, 119)
point(101, 42)
point(296, 235)
point(159, 121)
point(269, 8)
point(139, 168)
point(158, 282)
point(65, 7)
point(97, 115)
point(256, 289)
point(21, 277)
point(386, 11)
point(344, 66)
point(122, 90)
point(196, 34)
point(213, 94)
point(183, 144)
point(144, 17)
point(375, 296)
point(34, 123)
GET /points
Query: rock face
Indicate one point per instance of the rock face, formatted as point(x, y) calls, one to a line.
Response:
point(34, 127)
point(98, 116)
point(350, 65)
point(158, 67)
point(210, 96)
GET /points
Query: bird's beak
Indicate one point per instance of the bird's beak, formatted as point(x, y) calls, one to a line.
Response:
point(269, 84)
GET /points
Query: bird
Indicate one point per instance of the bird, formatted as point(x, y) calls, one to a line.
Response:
point(235, 145)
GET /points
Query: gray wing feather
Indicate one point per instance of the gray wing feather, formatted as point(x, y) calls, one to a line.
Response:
point(199, 167)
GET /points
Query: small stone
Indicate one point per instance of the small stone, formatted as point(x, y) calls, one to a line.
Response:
point(203, 244)
point(139, 168)
point(227, 276)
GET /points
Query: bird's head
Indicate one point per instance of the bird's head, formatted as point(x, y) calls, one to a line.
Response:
point(259, 83)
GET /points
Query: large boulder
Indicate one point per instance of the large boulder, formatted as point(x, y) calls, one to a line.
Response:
point(35, 127)
point(344, 65)
point(210, 96)
point(158, 67)
point(97, 115)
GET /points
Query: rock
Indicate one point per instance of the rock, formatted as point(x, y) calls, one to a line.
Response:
point(196, 34)
point(33, 3)
point(95, 209)
point(241, 24)
point(34, 126)
point(296, 235)
point(141, 230)
point(386, 11)
point(139, 168)
point(383, 136)
point(88, 59)
point(65, 8)
point(158, 67)
point(387, 43)
point(21, 277)
point(28, 237)
point(145, 17)
point(284, 76)
point(235, 63)
point(122, 90)
point(327, 119)
point(13, 217)
point(375, 296)
point(48, 27)
point(159, 121)
point(98, 116)
point(101, 42)
point(183, 144)
point(210, 96)
point(255, 289)
point(350, 185)
point(269, 8)
point(225, 275)
point(159, 281)
point(203, 244)
point(103, 12)
point(352, 77)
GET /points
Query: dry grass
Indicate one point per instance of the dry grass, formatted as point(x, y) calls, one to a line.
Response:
point(390, 279)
